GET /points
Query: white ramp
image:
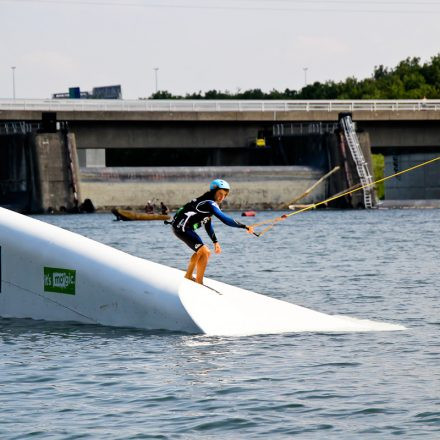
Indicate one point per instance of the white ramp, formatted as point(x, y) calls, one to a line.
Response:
point(56, 275)
point(52, 274)
point(233, 311)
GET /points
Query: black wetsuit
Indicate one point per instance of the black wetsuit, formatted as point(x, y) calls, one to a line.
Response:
point(196, 213)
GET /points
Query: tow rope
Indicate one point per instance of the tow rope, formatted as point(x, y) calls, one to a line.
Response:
point(276, 220)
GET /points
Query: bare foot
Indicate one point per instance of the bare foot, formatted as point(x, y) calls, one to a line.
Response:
point(190, 278)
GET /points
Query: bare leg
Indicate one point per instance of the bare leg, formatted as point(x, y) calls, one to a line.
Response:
point(202, 262)
point(192, 266)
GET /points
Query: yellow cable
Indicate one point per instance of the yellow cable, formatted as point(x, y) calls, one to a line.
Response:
point(314, 205)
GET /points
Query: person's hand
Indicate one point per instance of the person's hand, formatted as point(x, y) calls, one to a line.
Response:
point(217, 248)
point(250, 229)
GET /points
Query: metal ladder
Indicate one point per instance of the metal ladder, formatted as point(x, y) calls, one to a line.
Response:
point(359, 159)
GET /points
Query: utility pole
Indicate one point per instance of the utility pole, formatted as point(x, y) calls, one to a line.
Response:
point(305, 75)
point(155, 76)
point(13, 82)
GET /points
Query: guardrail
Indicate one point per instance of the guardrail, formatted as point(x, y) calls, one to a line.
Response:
point(300, 128)
point(217, 106)
point(18, 127)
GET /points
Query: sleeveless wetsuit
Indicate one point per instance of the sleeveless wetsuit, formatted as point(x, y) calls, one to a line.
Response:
point(196, 213)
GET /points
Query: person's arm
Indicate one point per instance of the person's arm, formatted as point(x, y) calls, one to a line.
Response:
point(225, 218)
point(210, 231)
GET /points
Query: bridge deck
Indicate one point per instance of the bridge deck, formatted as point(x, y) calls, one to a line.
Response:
point(222, 110)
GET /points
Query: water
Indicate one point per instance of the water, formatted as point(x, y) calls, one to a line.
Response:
point(66, 381)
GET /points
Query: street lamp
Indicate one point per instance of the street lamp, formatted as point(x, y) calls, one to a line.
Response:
point(155, 76)
point(13, 82)
point(305, 75)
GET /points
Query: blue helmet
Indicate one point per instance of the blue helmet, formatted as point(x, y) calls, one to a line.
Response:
point(219, 184)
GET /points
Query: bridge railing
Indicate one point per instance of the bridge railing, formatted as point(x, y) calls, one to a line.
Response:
point(218, 106)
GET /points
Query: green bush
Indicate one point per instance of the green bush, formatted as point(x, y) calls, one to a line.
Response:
point(379, 173)
point(410, 79)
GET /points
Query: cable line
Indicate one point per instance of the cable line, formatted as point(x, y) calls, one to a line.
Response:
point(273, 222)
point(251, 7)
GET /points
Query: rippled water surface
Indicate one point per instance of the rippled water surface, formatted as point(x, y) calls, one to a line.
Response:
point(62, 381)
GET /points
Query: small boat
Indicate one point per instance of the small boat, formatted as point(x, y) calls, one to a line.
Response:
point(126, 215)
point(248, 214)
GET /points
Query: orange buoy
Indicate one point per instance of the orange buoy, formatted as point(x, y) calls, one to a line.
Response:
point(248, 214)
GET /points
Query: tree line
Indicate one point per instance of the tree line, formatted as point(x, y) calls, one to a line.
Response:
point(410, 79)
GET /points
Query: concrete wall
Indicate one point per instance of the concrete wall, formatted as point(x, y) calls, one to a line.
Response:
point(252, 187)
point(421, 183)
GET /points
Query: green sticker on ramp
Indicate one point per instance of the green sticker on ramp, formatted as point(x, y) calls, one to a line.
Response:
point(59, 280)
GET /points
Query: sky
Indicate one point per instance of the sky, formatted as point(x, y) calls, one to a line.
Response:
point(200, 45)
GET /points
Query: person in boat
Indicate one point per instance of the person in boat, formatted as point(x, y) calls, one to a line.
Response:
point(163, 209)
point(199, 212)
point(149, 208)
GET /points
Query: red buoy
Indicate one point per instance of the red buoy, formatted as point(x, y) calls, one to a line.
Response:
point(248, 214)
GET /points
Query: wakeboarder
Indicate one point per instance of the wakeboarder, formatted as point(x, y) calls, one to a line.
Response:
point(199, 212)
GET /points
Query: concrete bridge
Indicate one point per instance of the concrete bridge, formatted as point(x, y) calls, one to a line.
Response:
point(108, 124)
point(222, 133)
point(272, 110)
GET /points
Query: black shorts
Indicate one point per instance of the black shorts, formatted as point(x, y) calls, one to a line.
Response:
point(189, 237)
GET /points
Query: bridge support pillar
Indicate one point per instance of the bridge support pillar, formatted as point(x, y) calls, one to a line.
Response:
point(39, 172)
point(57, 171)
point(420, 184)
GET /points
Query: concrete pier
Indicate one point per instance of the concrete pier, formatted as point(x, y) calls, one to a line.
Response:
point(419, 184)
point(57, 168)
point(39, 172)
